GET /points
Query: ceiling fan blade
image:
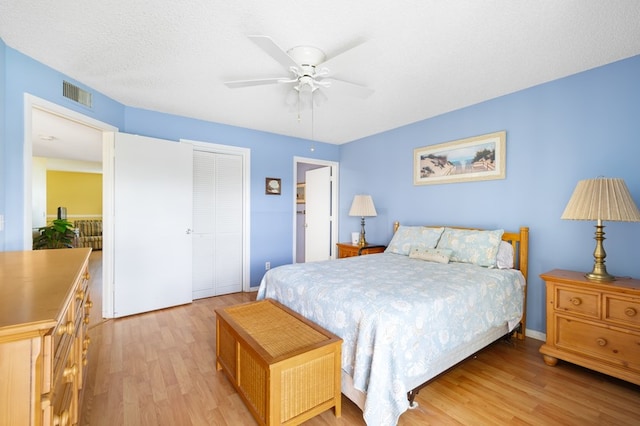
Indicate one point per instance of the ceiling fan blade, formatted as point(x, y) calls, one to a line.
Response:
point(349, 47)
point(272, 49)
point(350, 89)
point(258, 82)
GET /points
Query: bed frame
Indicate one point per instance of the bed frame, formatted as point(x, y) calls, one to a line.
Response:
point(520, 243)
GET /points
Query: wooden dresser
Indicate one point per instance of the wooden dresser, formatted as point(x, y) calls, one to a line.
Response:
point(595, 325)
point(44, 313)
point(349, 249)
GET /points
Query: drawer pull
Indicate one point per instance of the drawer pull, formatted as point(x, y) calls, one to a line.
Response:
point(70, 371)
point(62, 419)
point(575, 301)
point(601, 341)
point(68, 328)
point(630, 312)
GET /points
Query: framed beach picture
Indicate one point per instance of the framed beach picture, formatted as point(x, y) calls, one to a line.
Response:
point(476, 158)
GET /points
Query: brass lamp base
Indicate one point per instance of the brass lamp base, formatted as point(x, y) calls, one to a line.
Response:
point(599, 272)
point(362, 241)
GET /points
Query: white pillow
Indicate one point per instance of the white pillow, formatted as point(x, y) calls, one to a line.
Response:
point(504, 258)
point(430, 254)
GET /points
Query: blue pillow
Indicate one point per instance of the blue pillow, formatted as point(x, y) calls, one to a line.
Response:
point(471, 246)
point(406, 237)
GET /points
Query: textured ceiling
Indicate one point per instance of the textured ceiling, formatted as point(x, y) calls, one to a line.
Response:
point(422, 57)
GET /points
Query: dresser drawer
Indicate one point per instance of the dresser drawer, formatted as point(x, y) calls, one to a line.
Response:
point(621, 310)
point(615, 346)
point(57, 347)
point(580, 302)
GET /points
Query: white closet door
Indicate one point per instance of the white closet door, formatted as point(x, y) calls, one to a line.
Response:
point(218, 224)
point(152, 221)
point(318, 214)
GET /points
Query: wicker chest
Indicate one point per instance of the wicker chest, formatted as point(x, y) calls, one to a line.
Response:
point(285, 368)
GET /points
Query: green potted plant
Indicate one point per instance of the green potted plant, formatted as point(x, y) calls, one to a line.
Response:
point(60, 234)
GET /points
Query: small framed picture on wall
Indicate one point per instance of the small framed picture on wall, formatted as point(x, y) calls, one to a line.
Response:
point(272, 186)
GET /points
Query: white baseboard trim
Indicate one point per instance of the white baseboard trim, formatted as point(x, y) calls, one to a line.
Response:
point(536, 335)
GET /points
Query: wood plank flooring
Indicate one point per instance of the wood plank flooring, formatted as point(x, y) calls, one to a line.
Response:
point(158, 368)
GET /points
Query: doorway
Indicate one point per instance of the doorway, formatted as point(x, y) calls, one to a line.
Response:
point(62, 121)
point(300, 243)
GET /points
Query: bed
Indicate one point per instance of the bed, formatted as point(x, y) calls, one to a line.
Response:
point(435, 296)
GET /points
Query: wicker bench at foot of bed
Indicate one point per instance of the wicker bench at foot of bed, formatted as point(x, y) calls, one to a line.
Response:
point(285, 368)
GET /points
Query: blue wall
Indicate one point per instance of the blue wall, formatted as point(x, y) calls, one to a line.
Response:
point(578, 127)
point(575, 128)
point(3, 137)
point(271, 155)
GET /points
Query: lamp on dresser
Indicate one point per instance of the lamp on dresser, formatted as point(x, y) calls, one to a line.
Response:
point(601, 199)
point(362, 206)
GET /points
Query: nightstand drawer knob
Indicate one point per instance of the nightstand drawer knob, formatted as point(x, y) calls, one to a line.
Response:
point(575, 301)
point(601, 341)
point(630, 312)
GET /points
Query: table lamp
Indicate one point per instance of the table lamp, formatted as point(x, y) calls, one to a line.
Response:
point(362, 206)
point(601, 199)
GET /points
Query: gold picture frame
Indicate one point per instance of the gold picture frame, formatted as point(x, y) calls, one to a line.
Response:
point(273, 186)
point(471, 159)
point(300, 193)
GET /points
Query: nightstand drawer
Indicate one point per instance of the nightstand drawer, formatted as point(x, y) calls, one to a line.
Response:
point(577, 301)
point(615, 346)
point(622, 310)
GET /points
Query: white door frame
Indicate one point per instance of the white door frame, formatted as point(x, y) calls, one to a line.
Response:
point(31, 102)
point(334, 199)
point(245, 153)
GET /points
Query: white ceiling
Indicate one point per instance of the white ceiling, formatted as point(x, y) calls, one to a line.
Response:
point(422, 57)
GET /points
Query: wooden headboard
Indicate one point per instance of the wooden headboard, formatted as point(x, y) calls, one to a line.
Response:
point(520, 242)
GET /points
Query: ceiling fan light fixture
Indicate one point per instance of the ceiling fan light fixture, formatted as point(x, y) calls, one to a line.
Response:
point(291, 99)
point(319, 98)
point(307, 55)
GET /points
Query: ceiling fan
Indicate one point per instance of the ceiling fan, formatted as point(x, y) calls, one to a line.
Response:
point(308, 73)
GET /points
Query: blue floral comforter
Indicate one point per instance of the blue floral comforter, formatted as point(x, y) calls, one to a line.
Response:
point(395, 315)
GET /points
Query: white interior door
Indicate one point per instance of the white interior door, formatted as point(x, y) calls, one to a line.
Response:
point(153, 185)
point(318, 214)
point(217, 223)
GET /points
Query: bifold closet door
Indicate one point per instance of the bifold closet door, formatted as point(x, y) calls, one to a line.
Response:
point(217, 223)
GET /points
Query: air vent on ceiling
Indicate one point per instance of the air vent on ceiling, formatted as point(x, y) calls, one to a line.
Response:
point(76, 94)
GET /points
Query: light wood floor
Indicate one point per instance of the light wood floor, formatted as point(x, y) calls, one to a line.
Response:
point(159, 369)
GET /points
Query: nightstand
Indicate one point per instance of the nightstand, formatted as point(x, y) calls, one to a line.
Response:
point(592, 324)
point(349, 250)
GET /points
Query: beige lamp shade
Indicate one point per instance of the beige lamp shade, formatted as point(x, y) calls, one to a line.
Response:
point(362, 206)
point(602, 199)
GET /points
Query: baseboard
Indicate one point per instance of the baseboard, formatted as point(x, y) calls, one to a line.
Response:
point(536, 335)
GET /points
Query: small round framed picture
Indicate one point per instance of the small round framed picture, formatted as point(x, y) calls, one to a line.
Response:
point(273, 186)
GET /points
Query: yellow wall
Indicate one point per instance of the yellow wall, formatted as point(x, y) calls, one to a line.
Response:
point(80, 193)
